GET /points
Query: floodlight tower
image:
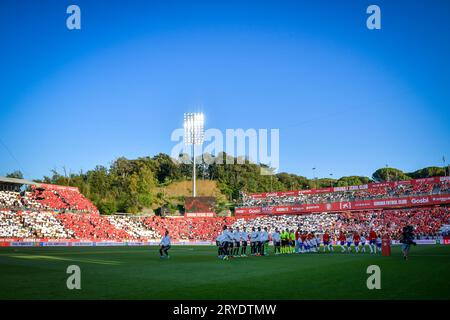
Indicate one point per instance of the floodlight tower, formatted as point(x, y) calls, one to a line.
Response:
point(194, 133)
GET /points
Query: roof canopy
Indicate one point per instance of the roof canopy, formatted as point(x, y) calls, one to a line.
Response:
point(18, 181)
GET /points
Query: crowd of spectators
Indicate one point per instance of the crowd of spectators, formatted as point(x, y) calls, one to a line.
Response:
point(47, 199)
point(12, 199)
point(11, 225)
point(134, 226)
point(29, 224)
point(75, 201)
point(400, 190)
point(45, 225)
point(199, 229)
point(311, 222)
point(444, 186)
point(427, 221)
point(41, 224)
point(31, 215)
point(29, 202)
point(92, 227)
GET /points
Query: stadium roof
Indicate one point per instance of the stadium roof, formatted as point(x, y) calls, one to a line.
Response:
point(17, 181)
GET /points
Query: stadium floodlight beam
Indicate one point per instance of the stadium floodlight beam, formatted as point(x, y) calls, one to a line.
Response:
point(194, 133)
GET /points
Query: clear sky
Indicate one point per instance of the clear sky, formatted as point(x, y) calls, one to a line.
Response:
point(347, 100)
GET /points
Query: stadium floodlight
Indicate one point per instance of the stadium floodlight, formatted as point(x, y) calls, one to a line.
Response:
point(194, 133)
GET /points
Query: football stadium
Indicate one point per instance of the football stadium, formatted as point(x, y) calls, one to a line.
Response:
point(224, 151)
point(336, 233)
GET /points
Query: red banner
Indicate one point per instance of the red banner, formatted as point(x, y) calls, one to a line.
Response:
point(344, 206)
point(199, 214)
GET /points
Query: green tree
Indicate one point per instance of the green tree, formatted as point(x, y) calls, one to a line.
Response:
point(107, 207)
point(427, 172)
point(15, 174)
point(166, 168)
point(389, 174)
point(352, 181)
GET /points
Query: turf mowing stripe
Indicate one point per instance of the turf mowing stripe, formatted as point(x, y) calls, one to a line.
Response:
point(41, 257)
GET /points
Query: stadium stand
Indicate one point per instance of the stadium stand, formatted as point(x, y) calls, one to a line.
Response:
point(427, 221)
point(59, 198)
point(134, 226)
point(369, 192)
point(10, 199)
point(444, 186)
point(13, 199)
point(45, 225)
point(11, 225)
point(58, 212)
point(197, 229)
point(51, 198)
point(313, 222)
point(92, 227)
point(48, 199)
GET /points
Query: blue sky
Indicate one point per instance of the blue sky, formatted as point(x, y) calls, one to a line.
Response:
point(347, 100)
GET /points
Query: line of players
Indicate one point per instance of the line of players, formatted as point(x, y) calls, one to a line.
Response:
point(234, 243)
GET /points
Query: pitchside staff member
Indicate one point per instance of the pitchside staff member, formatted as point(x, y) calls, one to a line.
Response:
point(407, 239)
point(164, 246)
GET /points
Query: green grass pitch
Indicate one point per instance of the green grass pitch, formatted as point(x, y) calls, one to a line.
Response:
point(196, 273)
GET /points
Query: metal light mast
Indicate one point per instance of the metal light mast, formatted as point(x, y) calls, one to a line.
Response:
point(194, 133)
